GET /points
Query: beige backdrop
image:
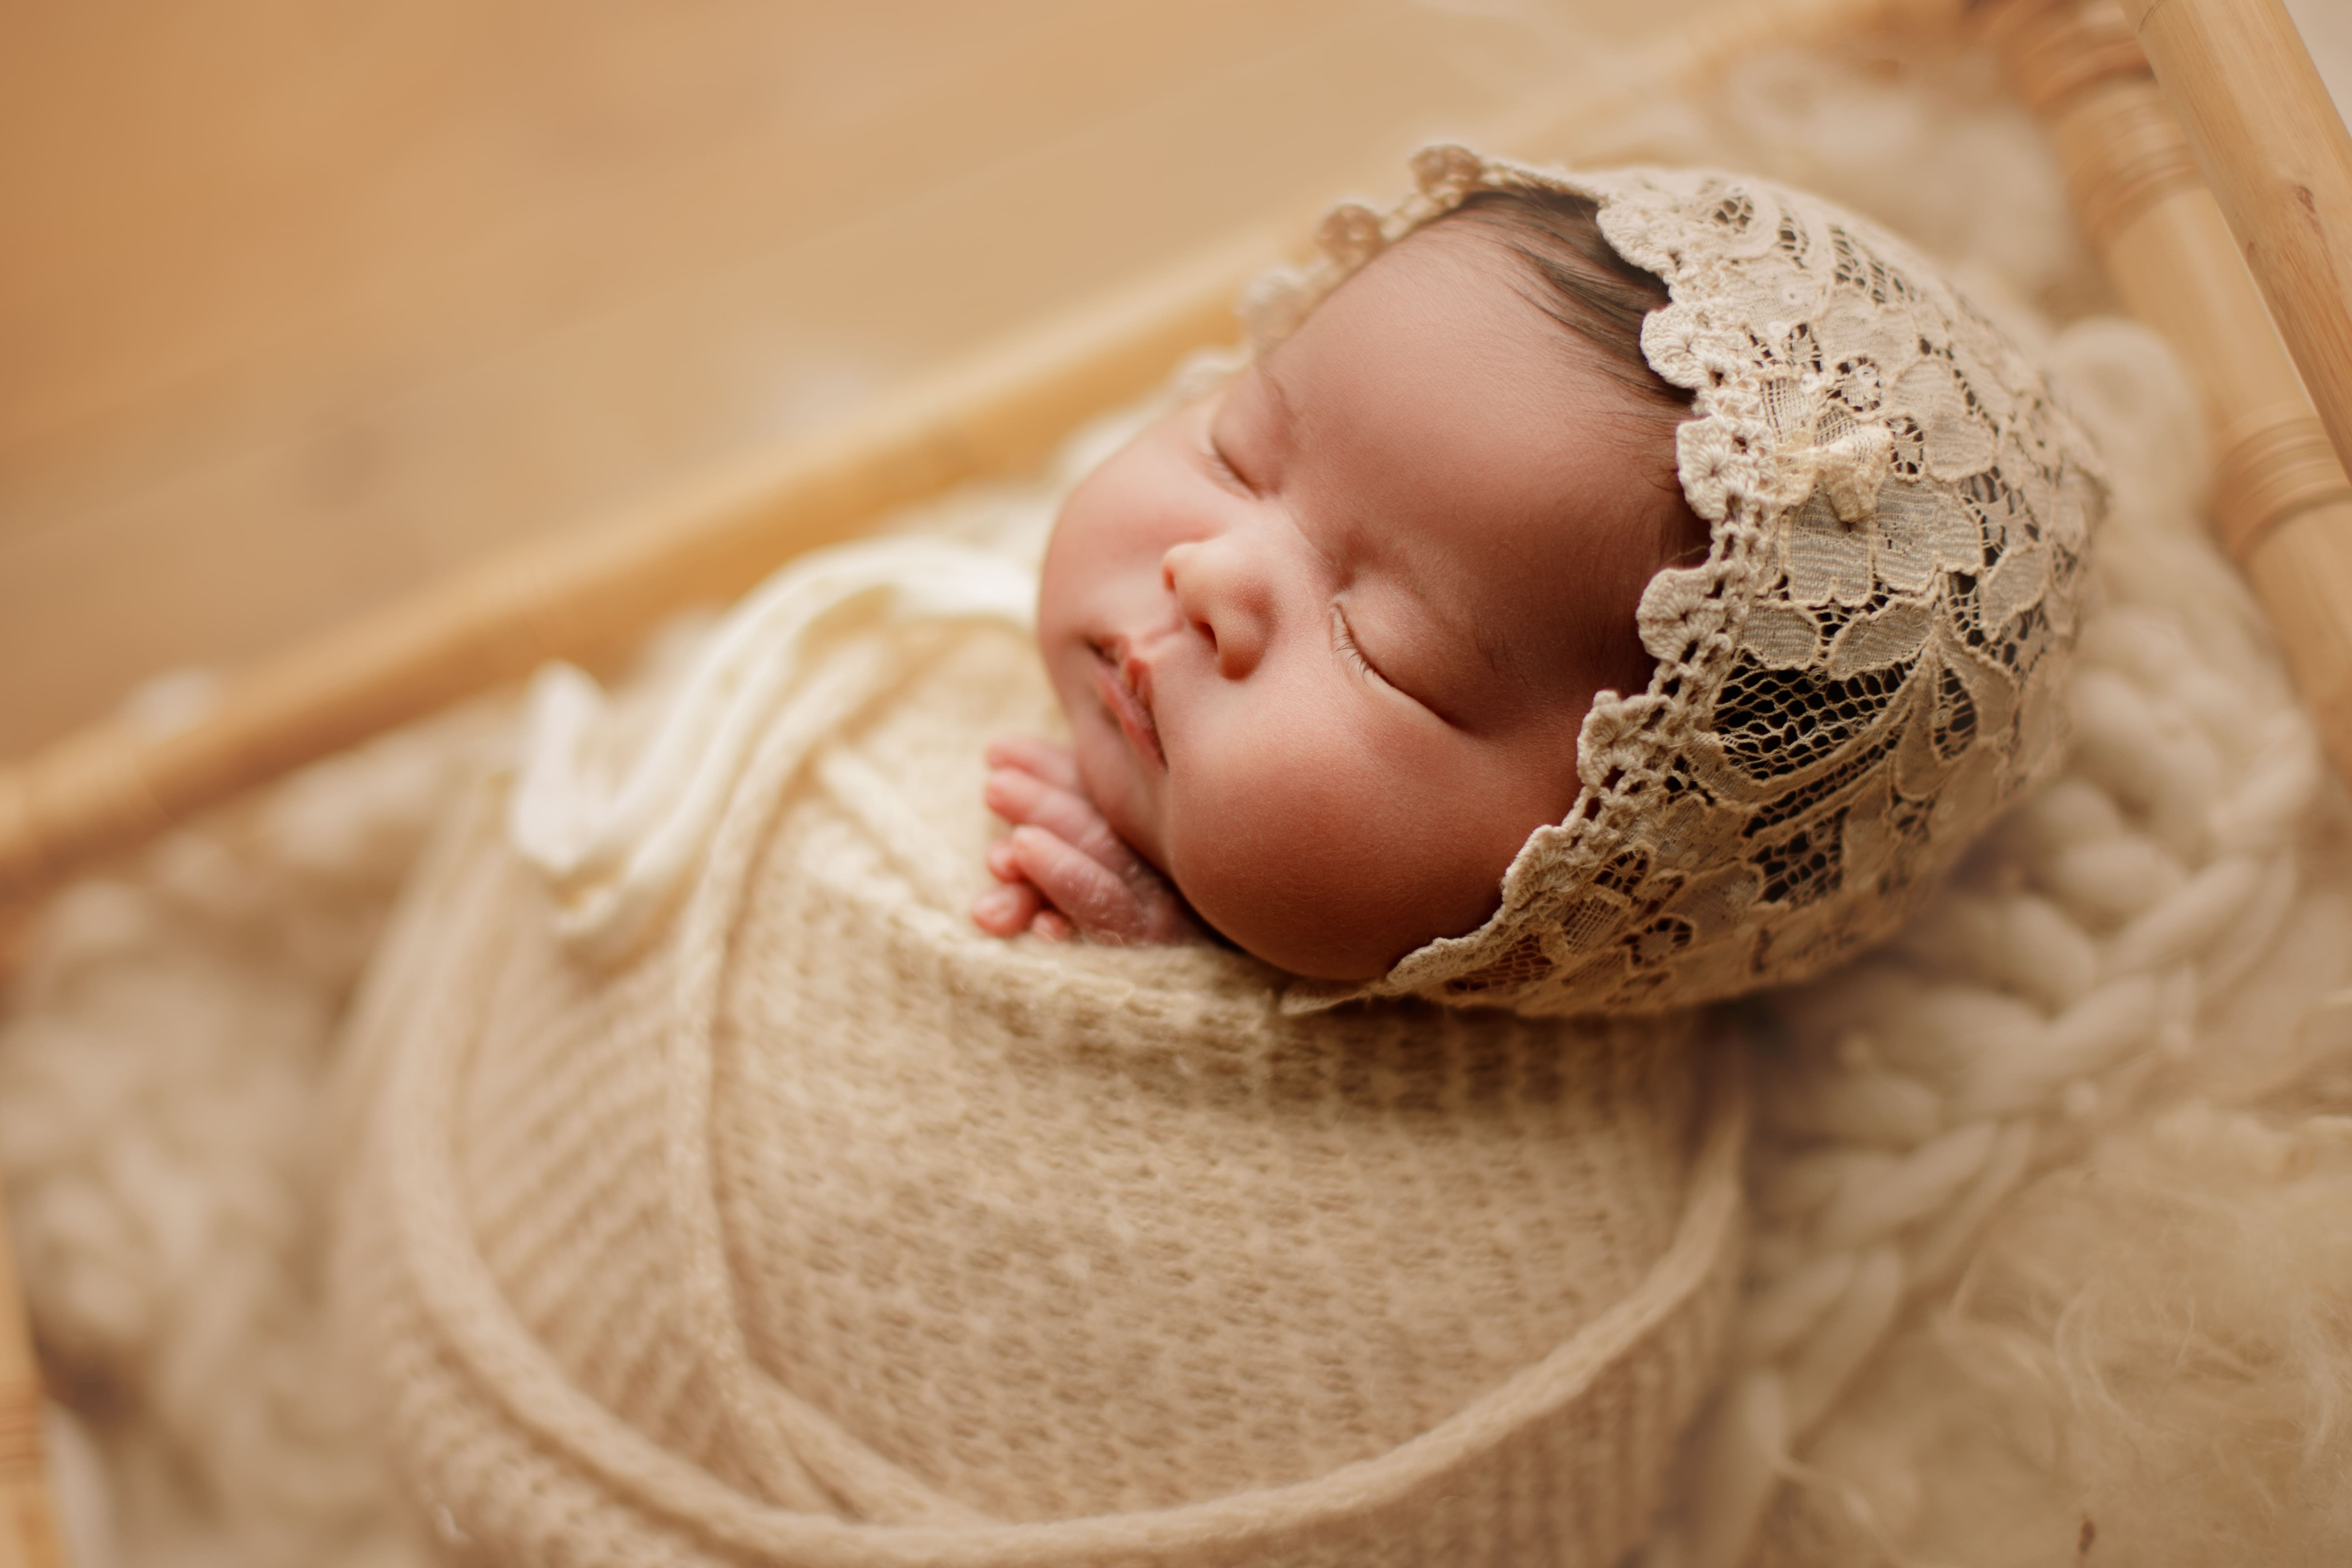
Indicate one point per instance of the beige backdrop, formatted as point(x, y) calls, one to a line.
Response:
point(302, 303)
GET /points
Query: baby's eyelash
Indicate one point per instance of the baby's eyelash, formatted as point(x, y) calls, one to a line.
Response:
point(1224, 467)
point(1343, 642)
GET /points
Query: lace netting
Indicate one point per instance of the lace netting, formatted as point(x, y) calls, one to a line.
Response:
point(1861, 672)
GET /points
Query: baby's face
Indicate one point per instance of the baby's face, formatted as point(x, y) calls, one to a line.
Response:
point(1325, 638)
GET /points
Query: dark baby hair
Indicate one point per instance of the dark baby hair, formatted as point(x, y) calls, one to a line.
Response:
point(1592, 291)
point(1572, 275)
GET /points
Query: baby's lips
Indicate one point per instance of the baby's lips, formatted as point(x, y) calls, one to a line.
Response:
point(1125, 705)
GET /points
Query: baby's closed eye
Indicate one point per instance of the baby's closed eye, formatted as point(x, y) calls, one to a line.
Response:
point(1343, 642)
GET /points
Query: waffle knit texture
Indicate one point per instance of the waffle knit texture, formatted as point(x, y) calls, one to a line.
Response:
point(828, 1230)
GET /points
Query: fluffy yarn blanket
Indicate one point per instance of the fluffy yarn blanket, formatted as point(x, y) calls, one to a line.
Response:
point(2049, 1263)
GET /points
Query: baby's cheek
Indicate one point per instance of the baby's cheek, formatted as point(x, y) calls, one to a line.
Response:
point(1114, 782)
point(1316, 852)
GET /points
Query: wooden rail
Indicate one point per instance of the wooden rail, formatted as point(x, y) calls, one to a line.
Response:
point(592, 593)
point(2278, 158)
point(2283, 506)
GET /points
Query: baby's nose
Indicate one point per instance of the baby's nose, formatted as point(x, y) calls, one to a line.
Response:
point(1226, 594)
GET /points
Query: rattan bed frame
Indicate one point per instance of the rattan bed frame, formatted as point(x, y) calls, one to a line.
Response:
point(2138, 100)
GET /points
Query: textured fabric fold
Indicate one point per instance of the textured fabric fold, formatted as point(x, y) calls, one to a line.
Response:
point(826, 1229)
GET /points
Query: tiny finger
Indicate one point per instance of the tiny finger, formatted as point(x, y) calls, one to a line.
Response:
point(1095, 900)
point(1021, 797)
point(1007, 911)
point(1004, 863)
point(1053, 925)
point(1052, 764)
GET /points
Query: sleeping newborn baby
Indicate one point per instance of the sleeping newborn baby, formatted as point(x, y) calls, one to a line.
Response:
point(1601, 593)
point(1324, 638)
point(1336, 642)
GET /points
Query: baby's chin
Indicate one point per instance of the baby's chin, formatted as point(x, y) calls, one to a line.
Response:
point(1318, 936)
point(1314, 951)
point(1345, 908)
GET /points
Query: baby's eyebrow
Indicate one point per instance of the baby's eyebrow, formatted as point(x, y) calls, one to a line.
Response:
point(1501, 662)
point(1508, 659)
point(1284, 431)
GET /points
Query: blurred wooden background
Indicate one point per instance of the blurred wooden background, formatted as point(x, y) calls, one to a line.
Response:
point(302, 303)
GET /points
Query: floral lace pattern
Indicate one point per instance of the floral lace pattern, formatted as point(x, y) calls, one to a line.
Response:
point(1865, 668)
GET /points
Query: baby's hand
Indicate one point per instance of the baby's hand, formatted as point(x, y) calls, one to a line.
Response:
point(1063, 868)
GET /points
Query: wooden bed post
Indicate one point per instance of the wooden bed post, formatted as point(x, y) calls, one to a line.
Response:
point(28, 1530)
point(2278, 160)
point(2282, 505)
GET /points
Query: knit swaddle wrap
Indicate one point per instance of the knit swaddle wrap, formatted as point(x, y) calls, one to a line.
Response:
point(827, 1229)
point(1860, 675)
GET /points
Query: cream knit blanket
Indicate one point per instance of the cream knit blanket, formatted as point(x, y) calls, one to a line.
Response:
point(828, 1229)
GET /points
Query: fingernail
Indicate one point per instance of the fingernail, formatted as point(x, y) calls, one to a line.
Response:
point(995, 904)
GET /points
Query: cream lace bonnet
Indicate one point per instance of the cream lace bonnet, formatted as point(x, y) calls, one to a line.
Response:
point(1865, 670)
